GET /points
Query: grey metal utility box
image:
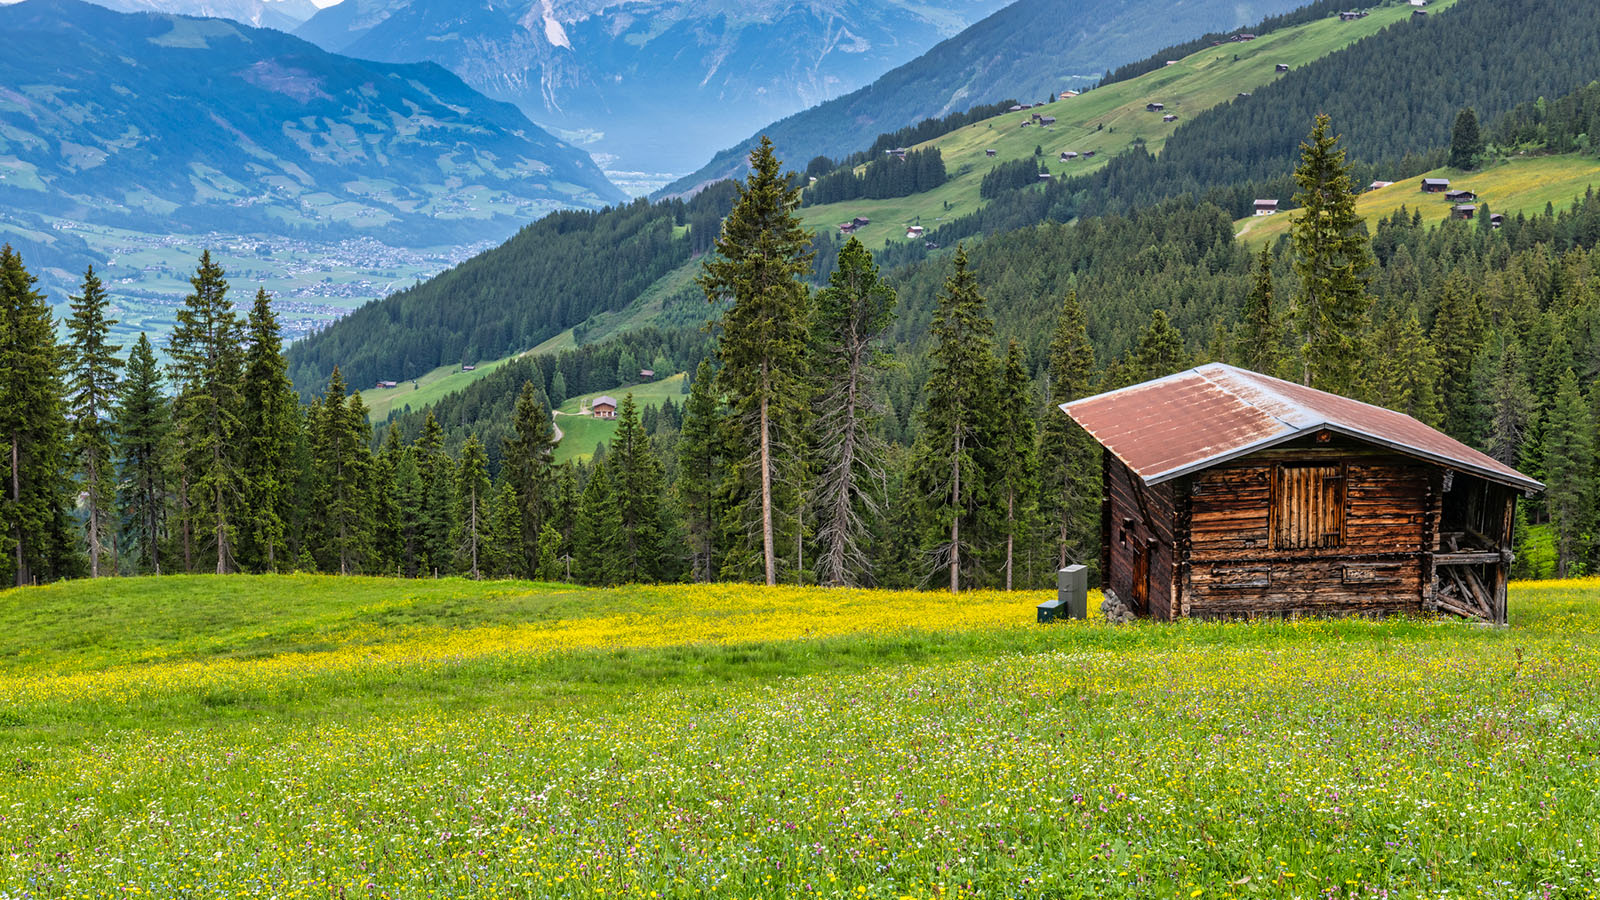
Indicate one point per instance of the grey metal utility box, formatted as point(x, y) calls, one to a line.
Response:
point(1072, 591)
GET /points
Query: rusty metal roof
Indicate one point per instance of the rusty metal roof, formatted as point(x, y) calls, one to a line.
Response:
point(1195, 419)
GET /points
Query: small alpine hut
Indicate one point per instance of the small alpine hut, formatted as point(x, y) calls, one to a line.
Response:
point(1230, 494)
point(604, 407)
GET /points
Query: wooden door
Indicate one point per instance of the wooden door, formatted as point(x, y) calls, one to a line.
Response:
point(1141, 578)
point(1308, 507)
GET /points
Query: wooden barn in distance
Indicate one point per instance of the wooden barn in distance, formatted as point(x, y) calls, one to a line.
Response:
point(1228, 494)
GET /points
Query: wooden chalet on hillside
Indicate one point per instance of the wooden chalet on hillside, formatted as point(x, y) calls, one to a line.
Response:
point(1227, 494)
point(1435, 185)
point(604, 407)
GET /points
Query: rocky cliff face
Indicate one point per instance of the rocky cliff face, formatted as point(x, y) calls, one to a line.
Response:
point(650, 85)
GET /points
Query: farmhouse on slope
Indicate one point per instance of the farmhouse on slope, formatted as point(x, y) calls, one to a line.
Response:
point(1227, 493)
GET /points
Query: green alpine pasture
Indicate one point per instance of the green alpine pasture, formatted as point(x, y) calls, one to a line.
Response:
point(581, 434)
point(1106, 120)
point(317, 736)
point(1520, 184)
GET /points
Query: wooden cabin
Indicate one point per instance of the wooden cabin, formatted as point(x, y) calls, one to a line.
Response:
point(1463, 210)
point(1230, 494)
point(604, 407)
point(1265, 207)
point(1435, 185)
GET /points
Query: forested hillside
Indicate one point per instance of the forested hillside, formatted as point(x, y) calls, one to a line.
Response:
point(552, 275)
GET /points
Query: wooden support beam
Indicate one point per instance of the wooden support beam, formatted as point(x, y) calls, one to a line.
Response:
point(1467, 558)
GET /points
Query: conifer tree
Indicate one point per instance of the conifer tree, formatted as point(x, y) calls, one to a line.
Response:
point(388, 528)
point(1069, 458)
point(1465, 141)
point(1331, 260)
point(528, 465)
point(849, 319)
point(1405, 375)
point(564, 514)
point(504, 555)
point(408, 550)
point(1512, 405)
point(32, 427)
point(205, 351)
point(473, 517)
point(595, 546)
point(1017, 465)
point(1569, 471)
point(1161, 349)
point(438, 498)
point(1261, 343)
point(269, 419)
point(550, 556)
point(762, 255)
point(959, 393)
point(141, 435)
point(343, 460)
point(636, 483)
point(1458, 339)
point(701, 472)
point(91, 391)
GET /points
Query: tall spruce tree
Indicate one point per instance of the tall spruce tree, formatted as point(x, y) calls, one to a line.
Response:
point(529, 464)
point(473, 519)
point(269, 417)
point(1161, 350)
point(1260, 334)
point(761, 257)
point(1569, 471)
point(1331, 258)
point(1465, 140)
point(849, 319)
point(596, 535)
point(636, 482)
point(204, 350)
point(701, 474)
point(342, 455)
point(960, 394)
point(32, 427)
point(1458, 338)
point(1016, 476)
point(503, 551)
point(434, 522)
point(407, 509)
point(1068, 456)
point(91, 391)
point(142, 428)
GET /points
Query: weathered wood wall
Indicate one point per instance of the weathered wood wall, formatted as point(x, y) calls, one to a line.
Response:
point(1236, 559)
point(1138, 518)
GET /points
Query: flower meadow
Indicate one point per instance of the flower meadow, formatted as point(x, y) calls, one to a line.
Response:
point(326, 737)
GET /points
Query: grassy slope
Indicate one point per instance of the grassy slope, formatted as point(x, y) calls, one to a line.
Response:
point(582, 433)
point(318, 736)
point(1517, 185)
point(1192, 85)
point(427, 390)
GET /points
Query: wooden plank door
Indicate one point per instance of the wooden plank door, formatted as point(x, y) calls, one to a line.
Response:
point(1141, 578)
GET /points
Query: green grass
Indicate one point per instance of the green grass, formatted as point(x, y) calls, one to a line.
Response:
point(316, 736)
point(580, 434)
point(426, 390)
point(1107, 120)
point(1517, 185)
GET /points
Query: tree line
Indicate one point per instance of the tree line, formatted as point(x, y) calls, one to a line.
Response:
point(883, 177)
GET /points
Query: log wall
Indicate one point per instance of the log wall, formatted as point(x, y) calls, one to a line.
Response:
point(1376, 560)
point(1138, 518)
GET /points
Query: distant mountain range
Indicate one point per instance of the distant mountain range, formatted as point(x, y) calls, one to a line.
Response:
point(166, 123)
point(649, 85)
point(1028, 51)
point(284, 15)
